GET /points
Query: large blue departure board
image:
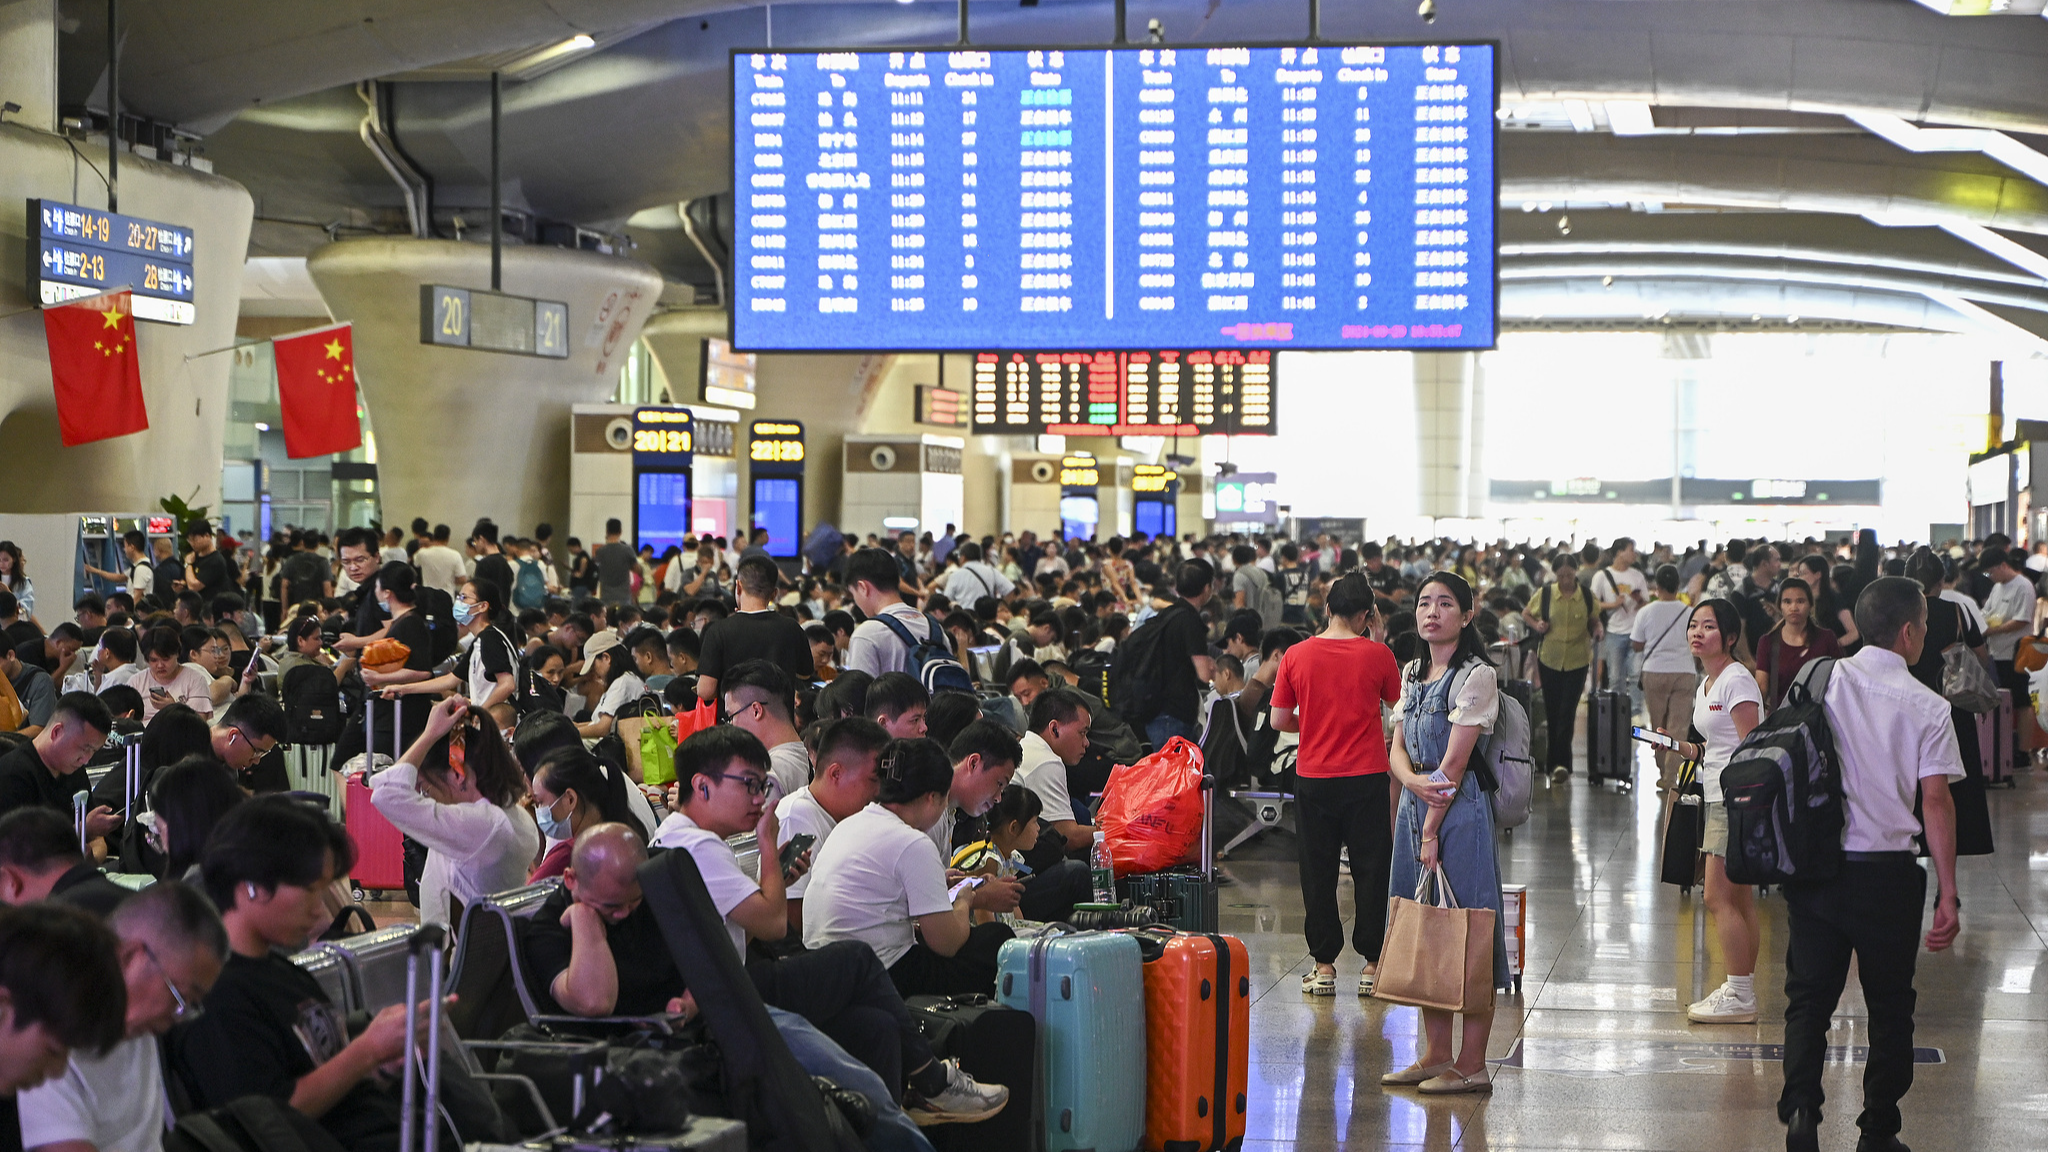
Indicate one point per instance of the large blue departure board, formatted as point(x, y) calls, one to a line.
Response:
point(1327, 196)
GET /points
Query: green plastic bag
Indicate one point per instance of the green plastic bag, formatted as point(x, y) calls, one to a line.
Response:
point(657, 753)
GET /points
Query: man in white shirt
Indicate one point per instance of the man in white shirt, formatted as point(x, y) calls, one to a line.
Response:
point(442, 566)
point(844, 783)
point(841, 988)
point(1621, 591)
point(872, 577)
point(2009, 612)
point(985, 758)
point(757, 702)
point(1057, 740)
point(975, 578)
point(172, 949)
point(1893, 741)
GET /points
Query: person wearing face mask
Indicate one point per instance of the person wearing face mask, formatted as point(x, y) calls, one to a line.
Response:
point(457, 791)
point(572, 791)
point(172, 946)
point(396, 590)
point(485, 673)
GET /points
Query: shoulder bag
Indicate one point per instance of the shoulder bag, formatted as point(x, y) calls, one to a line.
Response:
point(1965, 682)
point(1437, 955)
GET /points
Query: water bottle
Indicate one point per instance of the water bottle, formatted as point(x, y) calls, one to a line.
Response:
point(1102, 871)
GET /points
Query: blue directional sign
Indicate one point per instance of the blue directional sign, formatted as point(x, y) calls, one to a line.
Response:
point(85, 251)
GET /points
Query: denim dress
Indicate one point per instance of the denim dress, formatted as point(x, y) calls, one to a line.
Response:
point(1465, 840)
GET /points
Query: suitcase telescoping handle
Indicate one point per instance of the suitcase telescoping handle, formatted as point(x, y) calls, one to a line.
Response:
point(430, 939)
point(131, 778)
point(1209, 826)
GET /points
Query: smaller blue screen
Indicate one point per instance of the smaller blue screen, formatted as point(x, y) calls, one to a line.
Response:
point(778, 507)
point(1153, 518)
point(662, 517)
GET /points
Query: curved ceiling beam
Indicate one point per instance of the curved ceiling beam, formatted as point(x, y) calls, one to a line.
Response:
point(1857, 176)
point(1706, 299)
point(1768, 271)
point(1849, 260)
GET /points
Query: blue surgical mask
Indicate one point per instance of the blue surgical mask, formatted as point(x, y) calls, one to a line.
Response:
point(464, 613)
point(550, 827)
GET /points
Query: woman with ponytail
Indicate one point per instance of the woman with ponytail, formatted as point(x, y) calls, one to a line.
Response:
point(457, 791)
point(1449, 698)
point(1726, 706)
point(572, 791)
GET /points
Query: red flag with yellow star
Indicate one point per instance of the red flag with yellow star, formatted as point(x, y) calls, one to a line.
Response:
point(93, 365)
point(316, 387)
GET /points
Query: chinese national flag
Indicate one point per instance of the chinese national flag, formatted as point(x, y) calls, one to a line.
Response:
point(316, 387)
point(93, 365)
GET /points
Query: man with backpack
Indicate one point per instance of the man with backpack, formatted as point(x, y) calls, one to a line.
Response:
point(1569, 623)
point(1156, 682)
point(1894, 741)
point(1253, 588)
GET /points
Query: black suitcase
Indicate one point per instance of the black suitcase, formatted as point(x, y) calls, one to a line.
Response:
point(995, 1045)
point(1184, 896)
point(1610, 754)
point(769, 1090)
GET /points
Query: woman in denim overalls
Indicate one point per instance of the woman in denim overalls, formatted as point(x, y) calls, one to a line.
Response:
point(1448, 823)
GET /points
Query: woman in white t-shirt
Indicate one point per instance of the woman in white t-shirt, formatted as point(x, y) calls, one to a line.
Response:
point(169, 680)
point(879, 879)
point(606, 657)
point(1669, 678)
point(458, 791)
point(1727, 705)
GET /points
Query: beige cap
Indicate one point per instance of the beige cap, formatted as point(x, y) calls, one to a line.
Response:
point(601, 643)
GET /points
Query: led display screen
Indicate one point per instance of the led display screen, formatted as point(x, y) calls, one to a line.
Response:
point(1326, 196)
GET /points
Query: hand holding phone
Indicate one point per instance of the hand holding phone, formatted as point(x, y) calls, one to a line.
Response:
point(1652, 736)
point(797, 846)
point(967, 885)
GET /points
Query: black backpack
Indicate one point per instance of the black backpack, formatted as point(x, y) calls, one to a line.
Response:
point(1783, 791)
point(1137, 680)
point(438, 609)
point(312, 705)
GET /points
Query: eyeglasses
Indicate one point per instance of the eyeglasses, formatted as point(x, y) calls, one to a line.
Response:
point(214, 650)
point(186, 1010)
point(755, 785)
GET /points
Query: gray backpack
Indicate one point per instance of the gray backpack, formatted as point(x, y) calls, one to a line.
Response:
point(1267, 600)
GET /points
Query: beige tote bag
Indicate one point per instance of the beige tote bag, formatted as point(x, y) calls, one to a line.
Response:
point(1437, 955)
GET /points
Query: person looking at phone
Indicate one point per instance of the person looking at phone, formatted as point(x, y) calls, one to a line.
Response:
point(170, 680)
point(1726, 706)
point(842, 988)
point(48, 771)
point(882, 882)
point(757, 695)
point(844, 783)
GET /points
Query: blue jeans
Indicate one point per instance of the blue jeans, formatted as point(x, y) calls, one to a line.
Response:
point(819, 1056)
point(1162, 728)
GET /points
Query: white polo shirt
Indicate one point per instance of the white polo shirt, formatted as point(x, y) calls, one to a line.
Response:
point(1042, 771)
point(727, 882)
point(800, 812)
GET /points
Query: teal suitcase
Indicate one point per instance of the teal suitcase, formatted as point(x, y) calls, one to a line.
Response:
point(1087, 991)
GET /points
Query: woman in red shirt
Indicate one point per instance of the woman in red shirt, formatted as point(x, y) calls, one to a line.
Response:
point(1796, 641)
point(1330, 689)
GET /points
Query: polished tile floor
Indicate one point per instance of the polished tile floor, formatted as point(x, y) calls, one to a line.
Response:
point(1598, 1052)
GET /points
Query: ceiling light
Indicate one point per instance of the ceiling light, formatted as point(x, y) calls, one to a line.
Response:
point(580, 41)
point(1528, 205)
point(1791, 319)
point(261, 427)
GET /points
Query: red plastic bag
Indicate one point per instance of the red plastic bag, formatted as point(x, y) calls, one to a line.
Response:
point(688, 724)
point(1151, 813)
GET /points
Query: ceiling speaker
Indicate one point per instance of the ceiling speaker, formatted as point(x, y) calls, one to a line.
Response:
point(883, 458)
point(1043, 471)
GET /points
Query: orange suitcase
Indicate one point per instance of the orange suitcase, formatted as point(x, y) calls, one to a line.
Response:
point(1197, 1040)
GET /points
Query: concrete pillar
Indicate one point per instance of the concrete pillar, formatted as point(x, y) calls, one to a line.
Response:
point(180, 453)
point(28, 62)
point(464, 433)
point(1450, 438)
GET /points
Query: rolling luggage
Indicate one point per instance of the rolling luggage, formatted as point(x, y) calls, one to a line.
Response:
point(1197, 1040)
point(1994, 741)
point(380, 848)
point(995, 1045)
point(1184, 896)
point(1086, 990)
point(1609, 753)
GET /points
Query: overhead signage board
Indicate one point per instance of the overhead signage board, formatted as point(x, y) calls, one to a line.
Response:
point(1300, 196)
point(1247, 498)
point(1222, 392)
point(728, 378)
point(82, 252)
point(942, 406)
point(493, 322)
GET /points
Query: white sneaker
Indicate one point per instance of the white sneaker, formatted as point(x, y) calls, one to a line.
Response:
point(963, 1102)
point(1724, 1005)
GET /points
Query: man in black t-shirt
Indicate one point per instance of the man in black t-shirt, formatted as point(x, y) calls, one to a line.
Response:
point(594, 948)
point(490, 563)
point(755, 632)
point(1182, 664)
point(269, 1028)
point(209, 573)
point(49, 770)
point(614, 562)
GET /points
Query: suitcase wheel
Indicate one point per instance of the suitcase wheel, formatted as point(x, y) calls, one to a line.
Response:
point(356, 890)
point(1066, 1119)
point(1240, 1112)
point(1006, 982)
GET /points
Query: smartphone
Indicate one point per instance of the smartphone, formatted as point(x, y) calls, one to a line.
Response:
point(1652, 736)
point(797, 846)
point(968, 884)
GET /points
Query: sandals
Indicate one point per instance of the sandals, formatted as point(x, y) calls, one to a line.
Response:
point(1366, 980)
point(1319, 983)
point(1453, 1082)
